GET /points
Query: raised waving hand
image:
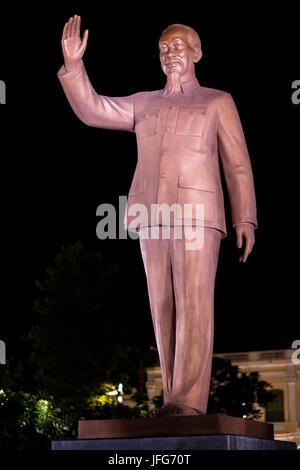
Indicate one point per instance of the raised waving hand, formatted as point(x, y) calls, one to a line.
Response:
point(73, 46)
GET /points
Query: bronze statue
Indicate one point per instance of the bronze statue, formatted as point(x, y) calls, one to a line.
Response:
point(181, 131)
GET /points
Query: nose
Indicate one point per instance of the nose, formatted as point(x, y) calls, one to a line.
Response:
point(170, 53)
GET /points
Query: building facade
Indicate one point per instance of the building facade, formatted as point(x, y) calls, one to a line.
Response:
point(281, 369)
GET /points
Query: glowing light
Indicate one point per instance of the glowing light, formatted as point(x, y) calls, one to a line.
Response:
point(44, 405)
point(244, 416)
point(113, 392)
point(120, 388)
point(120, 399)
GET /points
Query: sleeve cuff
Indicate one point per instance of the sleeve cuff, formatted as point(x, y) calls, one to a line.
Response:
point(78, 67)
point(238, 222)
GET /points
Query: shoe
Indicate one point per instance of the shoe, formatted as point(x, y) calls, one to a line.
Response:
point(175, 410)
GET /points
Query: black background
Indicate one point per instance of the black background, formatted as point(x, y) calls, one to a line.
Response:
point(56, 170)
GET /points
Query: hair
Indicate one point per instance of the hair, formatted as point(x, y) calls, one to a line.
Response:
point(192, 36)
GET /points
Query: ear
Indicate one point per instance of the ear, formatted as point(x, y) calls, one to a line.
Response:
point(198, 54)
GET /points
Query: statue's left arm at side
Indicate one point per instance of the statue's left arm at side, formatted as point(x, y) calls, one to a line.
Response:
point(92, 109)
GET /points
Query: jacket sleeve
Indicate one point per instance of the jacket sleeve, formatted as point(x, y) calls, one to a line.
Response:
point(93, 109)
point(236, 163)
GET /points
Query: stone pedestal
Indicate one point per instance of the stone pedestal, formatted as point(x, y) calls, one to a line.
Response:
point(180, 443)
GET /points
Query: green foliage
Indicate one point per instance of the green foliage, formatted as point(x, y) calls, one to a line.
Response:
point(32, 421)
point(236, 393)
point(29, 422)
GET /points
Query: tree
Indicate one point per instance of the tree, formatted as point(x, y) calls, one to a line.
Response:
point(73, 336)
point(236, 393)
point(81, 336)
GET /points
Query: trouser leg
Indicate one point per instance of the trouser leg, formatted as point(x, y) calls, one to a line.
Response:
point(194, 279)
point(157, 263)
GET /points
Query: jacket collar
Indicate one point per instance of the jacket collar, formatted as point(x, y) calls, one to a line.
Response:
point(188, 86)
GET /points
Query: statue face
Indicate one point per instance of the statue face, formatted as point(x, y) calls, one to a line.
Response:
point(175, 53)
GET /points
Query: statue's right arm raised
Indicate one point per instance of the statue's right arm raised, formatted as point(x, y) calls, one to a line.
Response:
point(93, 109)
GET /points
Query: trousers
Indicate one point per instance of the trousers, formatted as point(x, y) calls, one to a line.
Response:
point(181, 284)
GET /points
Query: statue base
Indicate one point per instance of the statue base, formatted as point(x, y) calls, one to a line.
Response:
point(173, 426)
point(206, 432)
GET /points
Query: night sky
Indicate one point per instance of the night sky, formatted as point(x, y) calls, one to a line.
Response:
point(56, 170)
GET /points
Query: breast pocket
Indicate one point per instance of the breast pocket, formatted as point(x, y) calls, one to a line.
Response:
point(190, 121)
point(146, 124)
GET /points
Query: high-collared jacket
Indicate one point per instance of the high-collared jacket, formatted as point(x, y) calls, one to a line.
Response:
point(181, 142)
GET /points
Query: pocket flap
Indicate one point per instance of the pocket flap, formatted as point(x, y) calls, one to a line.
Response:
point(147, 115)
point(193, 110)
point(190, 183)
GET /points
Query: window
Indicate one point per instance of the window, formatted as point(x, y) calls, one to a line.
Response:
point(274, 409)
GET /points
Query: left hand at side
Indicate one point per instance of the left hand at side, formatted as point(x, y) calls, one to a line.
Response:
point(245, 231)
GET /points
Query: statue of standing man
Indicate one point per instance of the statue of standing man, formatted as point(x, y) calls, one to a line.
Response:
point(184, 133)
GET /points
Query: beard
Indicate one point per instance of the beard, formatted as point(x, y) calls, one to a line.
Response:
point(173, 84)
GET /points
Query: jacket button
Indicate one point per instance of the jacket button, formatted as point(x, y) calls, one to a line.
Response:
point(162, 175)
point(167, 129)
